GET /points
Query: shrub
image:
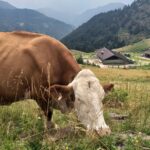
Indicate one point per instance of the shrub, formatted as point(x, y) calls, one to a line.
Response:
point(80, 60)
point(116, 98)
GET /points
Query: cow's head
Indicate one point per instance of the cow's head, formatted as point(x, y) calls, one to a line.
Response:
point(62, 97)
point(87, 94)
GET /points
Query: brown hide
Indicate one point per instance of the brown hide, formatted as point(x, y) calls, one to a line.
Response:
point(30, 63)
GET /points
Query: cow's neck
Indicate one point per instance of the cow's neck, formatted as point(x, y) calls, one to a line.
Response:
point(67, 70)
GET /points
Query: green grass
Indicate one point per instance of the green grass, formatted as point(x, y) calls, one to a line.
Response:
point(77, 54)
point(136, 50)
point(17, 122)
point(21, 124)
point(145, 67)
point(138, 47)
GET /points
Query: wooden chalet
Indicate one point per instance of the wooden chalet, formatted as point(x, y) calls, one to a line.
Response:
point(109, 57)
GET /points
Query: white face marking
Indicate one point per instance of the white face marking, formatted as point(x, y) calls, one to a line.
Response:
point(88, 104)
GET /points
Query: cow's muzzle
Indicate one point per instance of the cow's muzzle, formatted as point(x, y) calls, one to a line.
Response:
point(103, 132)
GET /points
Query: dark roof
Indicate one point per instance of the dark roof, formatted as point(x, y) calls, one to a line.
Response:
point(122, 57)
point(105, 54)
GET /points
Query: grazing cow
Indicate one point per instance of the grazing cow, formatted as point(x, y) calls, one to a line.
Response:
point(39, 67)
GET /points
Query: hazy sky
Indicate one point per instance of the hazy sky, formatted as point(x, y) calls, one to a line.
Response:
point(64, 5)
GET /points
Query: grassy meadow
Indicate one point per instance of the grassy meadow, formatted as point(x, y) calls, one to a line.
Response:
point(77, 54)
point(136, 50)
point(138, 47)
point(21, 124)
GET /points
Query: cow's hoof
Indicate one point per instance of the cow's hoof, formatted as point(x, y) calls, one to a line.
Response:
point(104, 132)
point(51, 125)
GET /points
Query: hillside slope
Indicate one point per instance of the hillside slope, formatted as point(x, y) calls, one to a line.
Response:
point(59, 15)
point(78, 19)
point(113, 29)
point(85, 16)
point(6, 5)
point(138, 47)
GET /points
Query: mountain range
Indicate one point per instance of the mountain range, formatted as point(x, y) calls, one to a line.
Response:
point(112, 29)
point(87, 15)
point(12, 18)
point(6, 5)
point(78, 19)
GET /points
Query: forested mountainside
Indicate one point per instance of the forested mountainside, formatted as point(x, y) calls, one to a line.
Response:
point(113, 29)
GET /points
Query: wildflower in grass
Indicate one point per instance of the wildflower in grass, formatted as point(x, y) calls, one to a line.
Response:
point(39, 117)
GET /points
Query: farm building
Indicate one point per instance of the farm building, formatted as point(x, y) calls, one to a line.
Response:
point(147, 54)
point(109, 57)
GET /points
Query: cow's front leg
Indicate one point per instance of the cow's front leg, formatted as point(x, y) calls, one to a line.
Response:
point(48, 112)
point(48, 122)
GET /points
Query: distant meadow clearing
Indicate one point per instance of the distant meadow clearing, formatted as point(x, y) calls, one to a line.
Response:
point(21, 124)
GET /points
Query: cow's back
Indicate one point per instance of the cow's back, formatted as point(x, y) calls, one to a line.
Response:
point(13, 40)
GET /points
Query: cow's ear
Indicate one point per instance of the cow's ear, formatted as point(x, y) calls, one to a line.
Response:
point(61, 94)
point(57, 90)
point(108, 87)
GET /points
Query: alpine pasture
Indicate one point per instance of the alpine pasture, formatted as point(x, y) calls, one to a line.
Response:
point(21, 124)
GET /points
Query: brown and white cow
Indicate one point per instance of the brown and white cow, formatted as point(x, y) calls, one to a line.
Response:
point(39, 67)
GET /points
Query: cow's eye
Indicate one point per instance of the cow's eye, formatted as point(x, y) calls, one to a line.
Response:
point(72, 78)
